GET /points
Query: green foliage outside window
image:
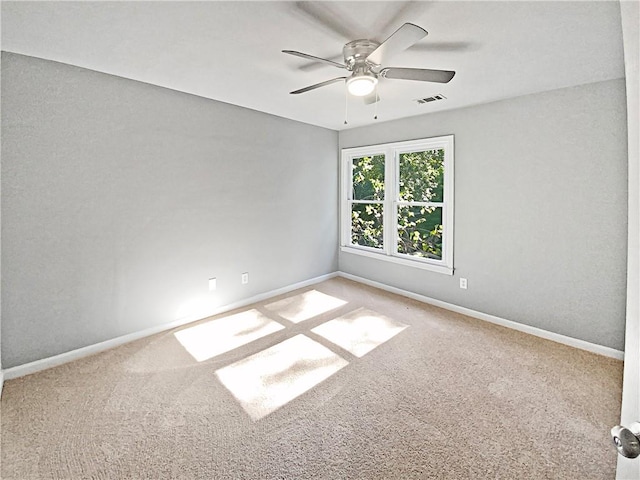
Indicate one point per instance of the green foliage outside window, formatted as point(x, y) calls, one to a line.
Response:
point(421, 179)
point(421, 176)
point(420, 231)
point(368, 178)
point(366, 218)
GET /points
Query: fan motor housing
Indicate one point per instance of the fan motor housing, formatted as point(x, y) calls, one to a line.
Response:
point(357, 51)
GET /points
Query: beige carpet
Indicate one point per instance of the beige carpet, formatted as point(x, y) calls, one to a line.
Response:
point(335, 381)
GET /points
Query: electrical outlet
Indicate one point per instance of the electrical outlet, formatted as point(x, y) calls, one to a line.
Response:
point(245, 278)
point(213, 284)
point(463, 283)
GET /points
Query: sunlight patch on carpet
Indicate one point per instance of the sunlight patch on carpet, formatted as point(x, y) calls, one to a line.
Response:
point(360, 331)
point(305, 306)
point(266, 381)
point(212, 338)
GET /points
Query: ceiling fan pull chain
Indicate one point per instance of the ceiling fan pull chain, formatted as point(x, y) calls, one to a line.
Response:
point(375, 117)
point(346, 105)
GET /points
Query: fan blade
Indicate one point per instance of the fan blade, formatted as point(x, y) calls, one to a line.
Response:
point(315, 59)
point(430, 47)
point(406, 36)
point(322, 13)
point(314, 65)
point(420, 74)
point(396, 13)
point(371, 98)
point(317, 85)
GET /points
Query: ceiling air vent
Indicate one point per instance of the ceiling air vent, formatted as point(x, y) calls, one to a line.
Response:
point(422, 101)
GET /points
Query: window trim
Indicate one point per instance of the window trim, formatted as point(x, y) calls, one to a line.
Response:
point(392, 152)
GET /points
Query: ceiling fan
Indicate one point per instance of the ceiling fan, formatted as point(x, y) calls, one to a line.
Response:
point(364, 59)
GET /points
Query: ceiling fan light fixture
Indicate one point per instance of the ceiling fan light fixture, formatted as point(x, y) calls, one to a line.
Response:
point(361, 85)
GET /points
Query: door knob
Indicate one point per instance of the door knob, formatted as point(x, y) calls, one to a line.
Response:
point(627, 440)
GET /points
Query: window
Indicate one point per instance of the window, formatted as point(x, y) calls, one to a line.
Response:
point(397, 202)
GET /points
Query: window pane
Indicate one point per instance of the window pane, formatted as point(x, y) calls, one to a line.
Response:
point(420, 231)
point(422, 176)
point(368, 178)
point(366, 225)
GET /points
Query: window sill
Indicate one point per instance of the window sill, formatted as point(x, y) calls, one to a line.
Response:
point(400, 261)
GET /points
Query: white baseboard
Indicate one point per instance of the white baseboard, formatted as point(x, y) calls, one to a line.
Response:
point(1, 381)
point(538, 332)
point(38, 365)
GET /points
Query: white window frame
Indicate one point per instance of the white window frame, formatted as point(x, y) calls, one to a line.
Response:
point(392, 152)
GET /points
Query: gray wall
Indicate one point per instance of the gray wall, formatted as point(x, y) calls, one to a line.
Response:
point(121, 199)
point(540, 210)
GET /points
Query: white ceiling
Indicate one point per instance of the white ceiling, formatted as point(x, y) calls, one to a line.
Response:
point(231, 51)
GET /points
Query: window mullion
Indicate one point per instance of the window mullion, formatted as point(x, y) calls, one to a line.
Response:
point(392, 195)
point(385, 208)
